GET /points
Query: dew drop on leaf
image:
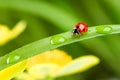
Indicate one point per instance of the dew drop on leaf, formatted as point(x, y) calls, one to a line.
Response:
point(12, 59)
point(57, 39)
point(104, 29)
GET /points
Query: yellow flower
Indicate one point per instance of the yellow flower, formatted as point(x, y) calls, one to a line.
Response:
point(24, 76)
point(57, 63)
point(12, 71)
point(6, 34)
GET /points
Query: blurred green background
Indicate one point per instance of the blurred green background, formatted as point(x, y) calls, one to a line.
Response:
point(50, 17)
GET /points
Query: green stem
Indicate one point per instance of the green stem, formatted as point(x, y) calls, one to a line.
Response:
point(44, 45)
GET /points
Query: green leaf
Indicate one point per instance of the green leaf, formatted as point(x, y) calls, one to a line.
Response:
point(45, 44)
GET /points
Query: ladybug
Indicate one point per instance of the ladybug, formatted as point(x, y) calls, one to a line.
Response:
point(80, 28)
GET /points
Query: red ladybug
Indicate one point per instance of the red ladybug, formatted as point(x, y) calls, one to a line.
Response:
point(80, 28)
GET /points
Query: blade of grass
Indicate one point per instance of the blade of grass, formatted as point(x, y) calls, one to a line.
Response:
point(112, 9)
point(112, 6)
point(100, 49)
point(43, 10)
point(38, 31)
point(39, 13)
point(44, 45)
point(96, 13)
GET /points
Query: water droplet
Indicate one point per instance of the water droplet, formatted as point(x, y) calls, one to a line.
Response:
point(12, 58)
point(104, 29)
point(57, 39)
